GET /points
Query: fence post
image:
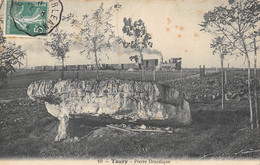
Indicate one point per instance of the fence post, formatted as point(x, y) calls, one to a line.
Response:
point(200, 72)
point(204, 71)
point(181, 73)
point(154, 75)
point(122, 74)
point(77, 75)
point(225, 77)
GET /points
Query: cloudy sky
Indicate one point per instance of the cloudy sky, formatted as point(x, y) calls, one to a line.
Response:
point(173, 25)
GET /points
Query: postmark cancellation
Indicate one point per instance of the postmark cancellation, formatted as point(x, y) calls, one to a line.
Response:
point(32, 18)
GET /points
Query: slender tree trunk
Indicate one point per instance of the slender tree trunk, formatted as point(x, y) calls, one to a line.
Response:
point(222, 82)
point(96, 60)
point(143, 76)
point(249, 92)
point(225, 77)
point(142, 66)
point(242, 37)
point(249, 81)
point(62, 72)
point(256, 83)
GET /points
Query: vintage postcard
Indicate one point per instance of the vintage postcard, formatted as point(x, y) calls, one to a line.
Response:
point(129, 81)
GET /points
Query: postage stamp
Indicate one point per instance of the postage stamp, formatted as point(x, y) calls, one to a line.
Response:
point(32, 18)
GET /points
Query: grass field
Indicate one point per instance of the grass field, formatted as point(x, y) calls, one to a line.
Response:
point(28, 131)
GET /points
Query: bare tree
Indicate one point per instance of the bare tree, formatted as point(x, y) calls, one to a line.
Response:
point(252, 10)
point(96, 32)
point(235, 24)
point(220, 44)
point(256, 34)
point(58, 46)
point(221, 48)
point(245, 15)
point(255, 79)
point(140, 39)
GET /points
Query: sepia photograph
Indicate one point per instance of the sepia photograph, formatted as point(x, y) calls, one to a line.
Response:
point(130, 81)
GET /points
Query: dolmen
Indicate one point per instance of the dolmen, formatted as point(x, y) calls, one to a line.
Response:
point(119, 99)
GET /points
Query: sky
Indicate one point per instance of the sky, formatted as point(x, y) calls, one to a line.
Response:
point(173, 25)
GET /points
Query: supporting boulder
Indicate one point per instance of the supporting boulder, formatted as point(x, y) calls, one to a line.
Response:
point(120, 99)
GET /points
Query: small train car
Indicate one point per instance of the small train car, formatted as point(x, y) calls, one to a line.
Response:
point(48, 68)
point(128, 66)
point(38, 68)
point(173, 64)
point(82, 67)
point(72, 67)
point(151, 63)
point(57, 67)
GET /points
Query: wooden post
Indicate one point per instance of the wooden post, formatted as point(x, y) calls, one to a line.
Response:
point(122, 74)
point(154, 75)
point(225, 77)
point(200, 72)
point(181, 73)
point(204, 71)
point(77, 75)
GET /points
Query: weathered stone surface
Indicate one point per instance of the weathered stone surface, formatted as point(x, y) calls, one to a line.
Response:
point(114, 97)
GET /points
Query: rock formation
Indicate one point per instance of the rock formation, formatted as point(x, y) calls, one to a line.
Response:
point(114, 97)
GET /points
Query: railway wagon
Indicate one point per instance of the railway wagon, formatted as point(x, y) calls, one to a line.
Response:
point(48, 68)
point(90, 67)
point(38, 68)
point(58, 67)
point(71, 67)
point(82, 67)
point(116, 66)
point(111, 66)
point(128, 66)
point(107, 67)
point(151, 63)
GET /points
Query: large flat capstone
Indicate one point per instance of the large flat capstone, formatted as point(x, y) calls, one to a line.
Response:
point(117, 98)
